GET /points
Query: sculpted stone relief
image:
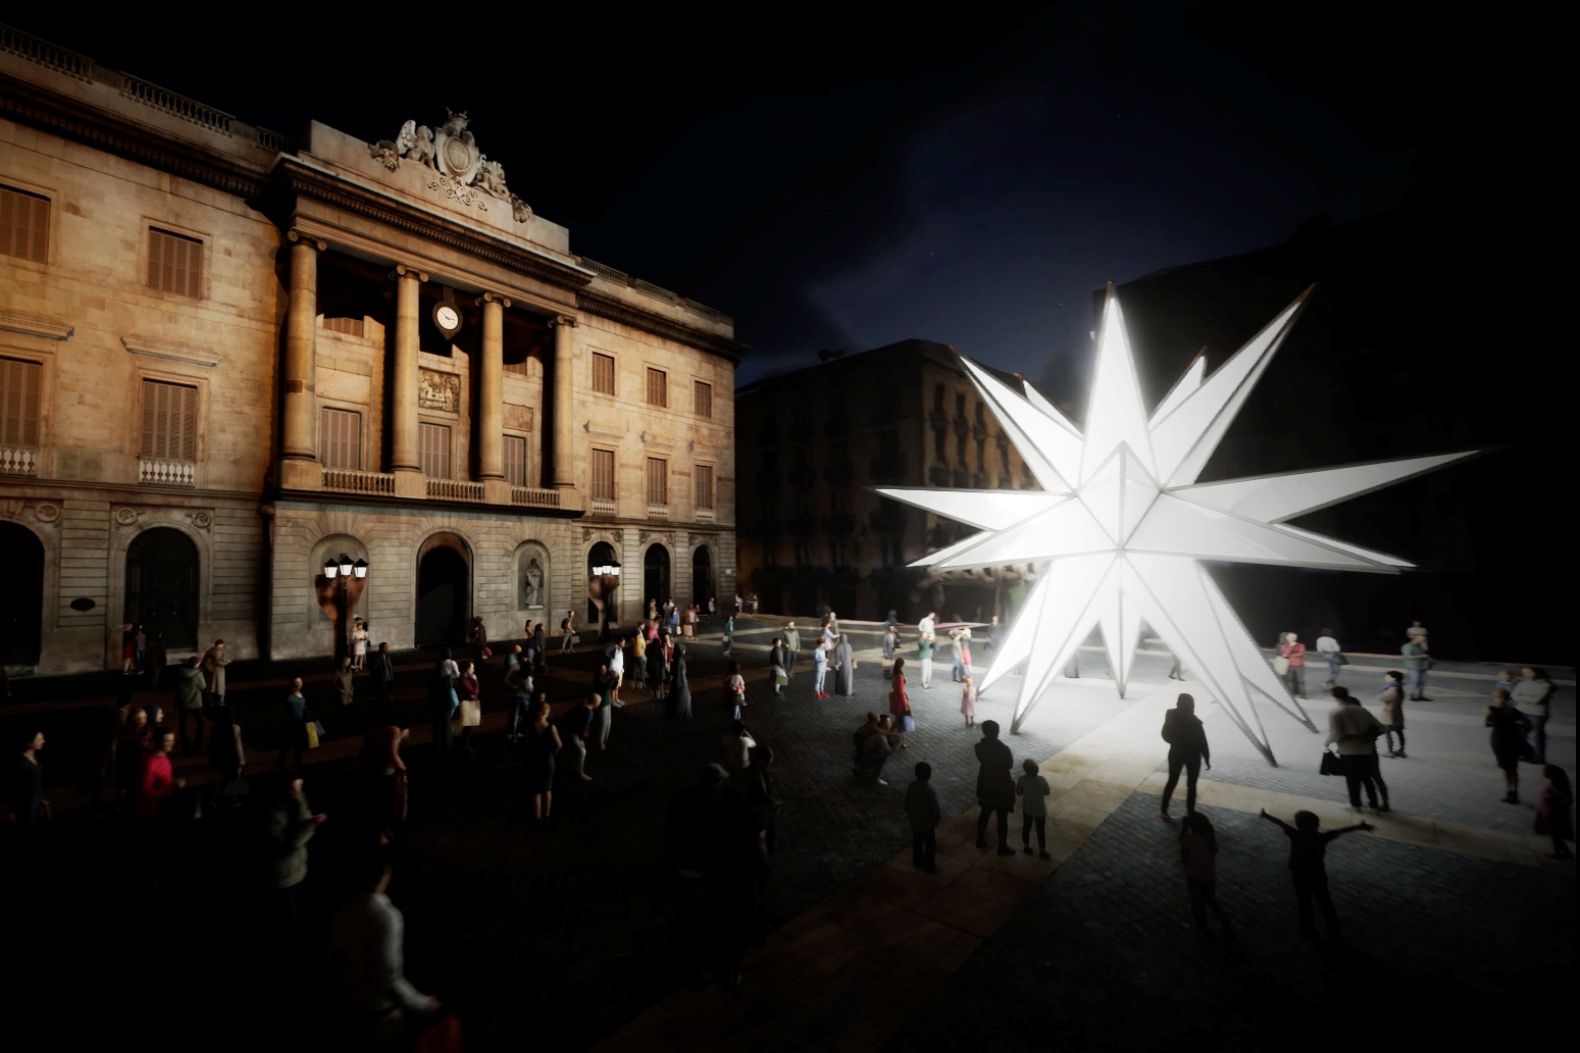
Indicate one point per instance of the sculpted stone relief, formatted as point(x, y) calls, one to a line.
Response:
point(463, 172)
point(439, 391)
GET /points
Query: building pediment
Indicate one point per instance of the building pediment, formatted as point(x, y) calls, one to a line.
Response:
point(460, 171)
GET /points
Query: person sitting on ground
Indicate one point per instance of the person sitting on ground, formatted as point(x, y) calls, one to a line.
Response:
point(874, 741)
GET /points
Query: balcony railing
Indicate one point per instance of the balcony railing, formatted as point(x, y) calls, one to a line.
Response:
point(657, 511)
point(455, 490)
point(166, 473)
point(18, 460)
point(526, 495)
point(705, 514)
point(358, 482)
point(598, 507)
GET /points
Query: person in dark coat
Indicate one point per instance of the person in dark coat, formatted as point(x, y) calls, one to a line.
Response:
point(1509, 728)
point(678, 704)
point(225, 753)
point(1187, 740)
point(655, 665)
point(995, 786)
point(844, 667)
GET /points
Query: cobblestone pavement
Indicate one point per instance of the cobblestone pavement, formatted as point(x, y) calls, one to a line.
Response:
point(563, 935)
point(1105, 956)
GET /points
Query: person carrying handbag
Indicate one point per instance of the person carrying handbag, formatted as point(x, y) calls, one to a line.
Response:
point(1355, 732)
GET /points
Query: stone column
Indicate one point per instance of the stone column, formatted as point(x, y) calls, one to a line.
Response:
point(298, 434)
point(564, 425)
point(404, 461)
point(491, 402)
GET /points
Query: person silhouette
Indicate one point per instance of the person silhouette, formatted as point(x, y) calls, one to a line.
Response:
point(1187, 741)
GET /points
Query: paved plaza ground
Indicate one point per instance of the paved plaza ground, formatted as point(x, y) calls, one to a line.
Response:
point(565, 936)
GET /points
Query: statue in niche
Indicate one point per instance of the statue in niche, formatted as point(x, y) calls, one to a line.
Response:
point(534, 585)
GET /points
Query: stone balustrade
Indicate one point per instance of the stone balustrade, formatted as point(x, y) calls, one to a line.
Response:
point(657, 511)
point(161, 472)
point(455, 490)
point(18, 460)
point(526, 495)
point(600, 508)
point(358, 482)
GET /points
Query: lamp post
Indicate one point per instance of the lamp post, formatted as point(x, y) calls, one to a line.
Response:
point(339, 591)
point(601, 587)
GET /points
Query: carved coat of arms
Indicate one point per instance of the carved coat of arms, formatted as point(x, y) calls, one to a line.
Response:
point(464, 173)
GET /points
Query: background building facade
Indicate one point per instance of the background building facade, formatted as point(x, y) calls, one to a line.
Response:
point(227, 356)
point(812, 442)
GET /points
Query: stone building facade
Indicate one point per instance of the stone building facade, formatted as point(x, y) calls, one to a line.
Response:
point(812, 443)
point(227, 356)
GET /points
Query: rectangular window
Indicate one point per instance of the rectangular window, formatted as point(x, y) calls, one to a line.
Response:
point(603, 374)
point(19, 387)
point(603, 475)
point(433, 450)
point(704, 399)
point(520, 369)
point(175, 264)
point(348, 326)
point(169, 421)
point(24, 225)
point(340, 439)
point(657, 481)
point(515, 460)
point(704, 485)
point(657, 388)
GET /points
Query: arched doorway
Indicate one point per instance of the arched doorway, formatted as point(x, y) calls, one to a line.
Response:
point(21, 595)
point(444, 592)
point(600, 555)
point(655, 575)
point(162, 586)
point(701, 576)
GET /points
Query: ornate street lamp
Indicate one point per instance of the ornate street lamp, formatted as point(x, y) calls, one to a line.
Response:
point(339, 591)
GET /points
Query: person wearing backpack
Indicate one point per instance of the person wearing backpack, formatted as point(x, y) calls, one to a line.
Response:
point(1187, 741)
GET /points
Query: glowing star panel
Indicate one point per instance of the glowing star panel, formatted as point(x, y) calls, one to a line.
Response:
point(1124, 548)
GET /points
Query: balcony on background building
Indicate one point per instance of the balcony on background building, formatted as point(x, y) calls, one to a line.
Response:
point(358, 482)
point(455, 490)
point(18, 460)
point(600, 507)
point(704, 515)
point(657, 511)
point(526, 495)
point(160, 472)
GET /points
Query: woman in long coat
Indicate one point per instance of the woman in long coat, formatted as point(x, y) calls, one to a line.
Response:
point(844, 667)
point(678, 704)
point(776, 666)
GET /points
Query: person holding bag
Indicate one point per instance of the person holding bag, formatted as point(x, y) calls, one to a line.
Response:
point(1356, 732)
point(470, 710)
point(899, 705)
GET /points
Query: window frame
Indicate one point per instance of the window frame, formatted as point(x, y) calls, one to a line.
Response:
point(592, 374)
point(152, 226)
point(526, 453)
point(40, 401)
point(697, 389)
point(450, 459)
point(198, 401)
point(614, 474)
point(663, 478)
point(361, 430)
point(663, 375)
point(712, 489)
point(28, 190)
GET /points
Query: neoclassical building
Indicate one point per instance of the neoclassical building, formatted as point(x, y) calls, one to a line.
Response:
point(227, 357)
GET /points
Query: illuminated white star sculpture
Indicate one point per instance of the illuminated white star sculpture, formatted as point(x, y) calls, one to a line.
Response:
point(1122, 522)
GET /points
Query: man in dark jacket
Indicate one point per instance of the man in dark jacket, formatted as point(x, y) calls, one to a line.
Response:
point(1187, 741)
point(995, 786)
point(190, 687)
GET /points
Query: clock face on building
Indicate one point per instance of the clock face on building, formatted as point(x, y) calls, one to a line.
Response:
point(447, 318)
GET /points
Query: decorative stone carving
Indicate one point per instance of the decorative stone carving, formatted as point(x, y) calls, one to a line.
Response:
point(202, 520)
point(126, 516)
point(534, 586)
point(47, 513)
point(463, 173)
point(518, 418)
point(439, 391)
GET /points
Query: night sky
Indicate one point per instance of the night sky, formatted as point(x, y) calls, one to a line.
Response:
point(832, 183)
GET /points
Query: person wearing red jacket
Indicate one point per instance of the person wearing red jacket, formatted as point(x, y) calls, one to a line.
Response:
point(158, 781)
point(1294, 652)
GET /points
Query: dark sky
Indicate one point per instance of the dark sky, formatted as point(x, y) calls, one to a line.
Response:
point(833, 183)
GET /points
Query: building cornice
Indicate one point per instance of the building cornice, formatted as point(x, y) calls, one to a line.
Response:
point(39, 107)
point(653, 322)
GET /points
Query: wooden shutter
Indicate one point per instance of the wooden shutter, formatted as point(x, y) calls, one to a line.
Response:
point(24, 225)
point(515, 460)
point(175, 263)
point(340, 439)
point(19, 388)
point(657, 481)
point(434, 452)
point(603, 374)
point(169, 421)
point(657, 387)
point(603, 475)
point(704, 485)
point(704, 399)
point(348, 326)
